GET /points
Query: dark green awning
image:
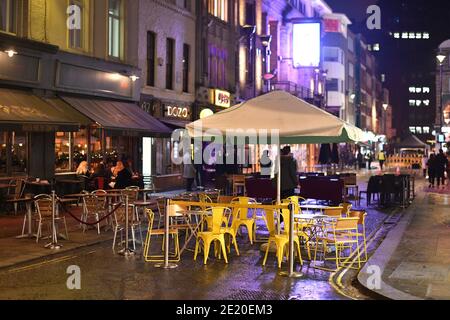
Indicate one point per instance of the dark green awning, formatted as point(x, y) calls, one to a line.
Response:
point(24, 111)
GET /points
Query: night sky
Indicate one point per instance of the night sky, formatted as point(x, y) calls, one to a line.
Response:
point(354, 9)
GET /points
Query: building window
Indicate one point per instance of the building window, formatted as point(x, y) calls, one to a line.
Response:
point(8, 15)
point(186, 60)
point(351, 70)
point(426, 90)
point(151, 58)
point(332, 85)
point(351, 44)
point(412, 129)
point(219, 9)
point(170, 52)
point(412, 103)
point(426, 130)
point(76, 35)
point(114, 38)
point(376, 47)
point(187, 4)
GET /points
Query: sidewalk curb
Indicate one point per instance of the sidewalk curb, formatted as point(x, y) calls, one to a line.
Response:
point(381, 258)
point(50, 255)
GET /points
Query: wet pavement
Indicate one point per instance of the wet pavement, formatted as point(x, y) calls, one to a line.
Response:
point(105, 275)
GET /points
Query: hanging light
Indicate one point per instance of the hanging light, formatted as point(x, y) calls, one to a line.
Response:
point(134, 78)
point(441, 58)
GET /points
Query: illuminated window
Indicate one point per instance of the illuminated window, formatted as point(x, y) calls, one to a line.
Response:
point(412, 103)
point(426, 90)
point(426, 130)
point(8, 15)
point(376, 47)
point(418, 103)
point(219, 9)
point(114, 38)
point(405, 35)
point(426, 35)
point(412, 35)
point(419, 130)
point(418, 35)
point(76, 35)
point(397, 35)
point(426, 102)
point(412, 129)
point(383, 78)
point(418, 90)
point(412, 89)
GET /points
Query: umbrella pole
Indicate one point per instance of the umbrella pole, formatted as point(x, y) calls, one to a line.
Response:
point(279, 175)
point(290, 273)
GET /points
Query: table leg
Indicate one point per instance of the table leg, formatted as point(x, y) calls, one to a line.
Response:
point(29, 223)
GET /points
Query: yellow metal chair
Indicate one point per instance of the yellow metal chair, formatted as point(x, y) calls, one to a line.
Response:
point(299, 227)
point(232, 232)
point(361, 215)
point(280, 240)
point(159, 232)
point(346, 207)
point(205, 199)
point(214, 235)
point(240, 217)
point(343, 235)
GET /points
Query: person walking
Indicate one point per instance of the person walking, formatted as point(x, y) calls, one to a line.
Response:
point(441, 166)
point(381, 158)
point(289, 179)
point(369, 159)
point(424, 165)
point(431, 164)
point(359, 159)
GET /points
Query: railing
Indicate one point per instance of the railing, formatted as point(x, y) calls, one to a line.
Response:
point(293, 88)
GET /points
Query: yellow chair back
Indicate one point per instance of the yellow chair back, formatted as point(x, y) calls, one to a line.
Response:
point(270, 218)
point(217, 215)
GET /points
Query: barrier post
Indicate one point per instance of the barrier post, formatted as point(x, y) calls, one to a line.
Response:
point(290, 273)
point(54, 242)
point(126, 251)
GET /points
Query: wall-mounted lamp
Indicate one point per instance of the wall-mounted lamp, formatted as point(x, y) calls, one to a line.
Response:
point(385, 106)
point(265, 40)
point(134, 78)
point(11, 53)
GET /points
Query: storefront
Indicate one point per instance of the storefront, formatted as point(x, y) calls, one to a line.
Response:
point(58, 109)
point(157, 152)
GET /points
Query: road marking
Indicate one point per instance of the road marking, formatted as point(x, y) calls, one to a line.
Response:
point(40, 264)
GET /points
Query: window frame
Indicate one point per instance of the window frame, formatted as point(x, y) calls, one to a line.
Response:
point(118, 18)
point(170, 59)
point(186, 66)
point(151, 66)
point(8, 17)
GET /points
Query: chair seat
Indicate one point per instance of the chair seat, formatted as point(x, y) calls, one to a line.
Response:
point(162, 231)
point(338, 240)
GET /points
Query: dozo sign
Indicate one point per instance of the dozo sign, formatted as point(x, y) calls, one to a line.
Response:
point(177, 112)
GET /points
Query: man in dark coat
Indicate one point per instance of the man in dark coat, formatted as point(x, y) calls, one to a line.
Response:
point(289, 179)
point(441, 165)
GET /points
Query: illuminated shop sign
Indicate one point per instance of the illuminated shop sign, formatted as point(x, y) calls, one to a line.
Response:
point(222, 98)
point(177, 112)
point(306, 44)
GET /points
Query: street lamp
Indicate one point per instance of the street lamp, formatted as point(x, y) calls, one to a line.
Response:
point(440, 57)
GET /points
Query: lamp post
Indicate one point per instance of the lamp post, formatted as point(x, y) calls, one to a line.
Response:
point(441, 58)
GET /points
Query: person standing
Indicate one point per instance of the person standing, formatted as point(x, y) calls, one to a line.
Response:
point(288, 167)
point(369, 159)
point(431, 164)
point(266, 164)
point(381, 158)
point(359, 159)
point(441, 166)
point(188, 171)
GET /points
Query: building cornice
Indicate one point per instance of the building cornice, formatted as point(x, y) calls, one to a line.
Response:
point(175, 8)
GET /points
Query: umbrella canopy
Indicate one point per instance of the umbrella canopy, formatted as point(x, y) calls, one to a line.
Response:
point(298, 122)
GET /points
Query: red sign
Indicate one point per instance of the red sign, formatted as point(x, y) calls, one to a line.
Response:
point(331, 25)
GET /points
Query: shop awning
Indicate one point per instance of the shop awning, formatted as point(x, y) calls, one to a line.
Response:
point(23, 111)
point(175, 124)
point(115, 115)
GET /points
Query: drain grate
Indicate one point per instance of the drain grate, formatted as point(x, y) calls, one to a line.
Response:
point(256, 295)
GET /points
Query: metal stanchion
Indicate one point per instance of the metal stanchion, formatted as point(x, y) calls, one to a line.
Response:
point(126, 251)
point(166, 264)
point(54, 244)
point(290, 273)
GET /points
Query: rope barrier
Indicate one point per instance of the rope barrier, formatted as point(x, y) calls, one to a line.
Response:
point(89, 223)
